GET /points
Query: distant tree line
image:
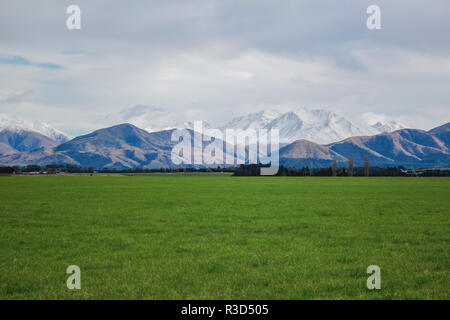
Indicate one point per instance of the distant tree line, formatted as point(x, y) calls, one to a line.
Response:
point(68, 168)
point(50, 169)
point(254, 170)
point(242, 170)
point(165, 170)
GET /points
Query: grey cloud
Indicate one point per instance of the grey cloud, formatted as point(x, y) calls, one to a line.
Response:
point(14, 97)
point(139, 110)
point(222, 58)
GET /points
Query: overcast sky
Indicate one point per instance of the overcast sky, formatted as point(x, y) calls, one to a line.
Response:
point(211, 60)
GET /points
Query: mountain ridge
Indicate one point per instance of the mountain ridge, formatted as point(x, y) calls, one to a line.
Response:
point(127, 146)
point(317, 125)
point(121, 146)
point(401, 147)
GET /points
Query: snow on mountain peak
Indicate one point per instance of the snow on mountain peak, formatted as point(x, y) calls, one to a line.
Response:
point(252, 121)
point(380, 123)
point(387, 126)
point(15, 123)
point(317, 125)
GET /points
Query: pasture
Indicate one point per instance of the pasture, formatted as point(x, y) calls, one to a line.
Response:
point(222, 237)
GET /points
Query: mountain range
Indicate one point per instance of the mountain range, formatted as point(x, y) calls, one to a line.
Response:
point(19, 135)
point(317, 125)
point(407, 147)
point(127, 146)
point(121, 146)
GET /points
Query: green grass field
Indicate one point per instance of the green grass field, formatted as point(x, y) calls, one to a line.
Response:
point(219, 237)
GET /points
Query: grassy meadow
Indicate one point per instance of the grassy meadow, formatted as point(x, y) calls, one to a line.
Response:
point(221, 237)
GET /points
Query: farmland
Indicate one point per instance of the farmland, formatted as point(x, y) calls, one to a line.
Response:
point(222, 237)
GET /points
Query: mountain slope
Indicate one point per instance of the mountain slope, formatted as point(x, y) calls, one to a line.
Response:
point(307, 149)
point(303, 153)
point(443, 133)
point(13, 141)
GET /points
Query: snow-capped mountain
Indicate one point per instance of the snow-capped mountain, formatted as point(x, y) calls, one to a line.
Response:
point(16, 124)
point(317, 125)
point(387, 126)
point(252, 121)
point(380, 123)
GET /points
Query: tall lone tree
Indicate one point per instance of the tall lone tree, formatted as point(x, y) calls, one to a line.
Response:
point(366, 166)
point(350, 166)
point(334, 168)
